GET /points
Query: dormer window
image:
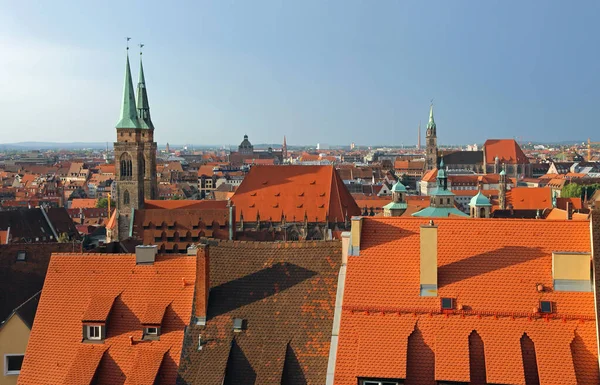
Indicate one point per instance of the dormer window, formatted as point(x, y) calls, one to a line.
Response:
point(151, 333)
point(94, 332)
point(546, 307)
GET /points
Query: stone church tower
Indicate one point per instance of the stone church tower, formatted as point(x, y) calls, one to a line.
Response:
point(135, 154)
point(431, 153)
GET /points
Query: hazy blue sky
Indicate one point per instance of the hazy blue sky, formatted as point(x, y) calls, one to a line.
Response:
point(316, 71)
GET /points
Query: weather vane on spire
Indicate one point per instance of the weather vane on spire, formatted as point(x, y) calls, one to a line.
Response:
point(141, 46)
point(432, 101)
point(128, 38)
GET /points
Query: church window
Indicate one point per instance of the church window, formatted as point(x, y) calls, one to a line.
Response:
point(126, 197)
point(126, 166)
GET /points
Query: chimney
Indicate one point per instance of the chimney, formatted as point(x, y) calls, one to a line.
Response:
point(428, 262)
point(345, 246)
point(145, 255)
point(202, 281)
point(568, 210)
point(355, 231)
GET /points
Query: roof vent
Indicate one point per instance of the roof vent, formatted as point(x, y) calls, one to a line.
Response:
point(145, 255)
point(238, 325)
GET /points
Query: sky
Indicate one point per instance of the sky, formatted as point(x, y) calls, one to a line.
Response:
point(315, 71)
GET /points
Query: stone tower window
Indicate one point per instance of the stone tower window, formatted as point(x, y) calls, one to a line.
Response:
point(126, 167)
point(126, 197)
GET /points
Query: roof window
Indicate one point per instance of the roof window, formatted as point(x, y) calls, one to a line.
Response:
point(94, 332)
point(447, 303)
point(238, 325)
point(151, 333)
point(546, 307)
point(21, 255)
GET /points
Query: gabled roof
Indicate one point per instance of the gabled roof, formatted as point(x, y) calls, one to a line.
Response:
point(55, 341)
point(294, 191)
point(507, 150)
point(286, 293)
point(84, 203)
point(529, 198)
point(492, 268)
point(184, 203)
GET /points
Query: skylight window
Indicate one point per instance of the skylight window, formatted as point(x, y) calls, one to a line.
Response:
point(447, 304)
point(21, 255)
point(381, 382)
point(546, 307)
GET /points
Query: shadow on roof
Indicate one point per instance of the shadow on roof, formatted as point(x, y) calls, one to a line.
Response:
point(238, 370)
point(254, 287)
point(292, 369)
point(486, 262)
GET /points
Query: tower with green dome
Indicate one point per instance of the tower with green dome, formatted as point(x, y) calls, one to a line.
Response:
point(480, 206)
point(397, 206)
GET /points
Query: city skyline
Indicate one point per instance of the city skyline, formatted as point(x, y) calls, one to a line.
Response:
point(258, 70)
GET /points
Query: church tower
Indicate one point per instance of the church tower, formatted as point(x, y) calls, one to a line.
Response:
point(149, 150)
point(135, 154)
point(431, 152)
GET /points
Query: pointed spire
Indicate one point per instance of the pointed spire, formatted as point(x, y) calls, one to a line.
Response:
point(129, 118)
point(143, 108)
point(431, 124)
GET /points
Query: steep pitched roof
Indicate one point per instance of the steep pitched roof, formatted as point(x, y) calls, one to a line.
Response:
point(285, 292)
point(83, 203)
point(508, 150)
point(54, 351)
point(491, 268)
point(20, 280)
point(293, 191)
point(186, 203)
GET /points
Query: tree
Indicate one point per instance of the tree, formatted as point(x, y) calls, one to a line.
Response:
point(102, 203)
point(572, 190)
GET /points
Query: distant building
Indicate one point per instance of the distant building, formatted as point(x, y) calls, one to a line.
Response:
point(247, 153)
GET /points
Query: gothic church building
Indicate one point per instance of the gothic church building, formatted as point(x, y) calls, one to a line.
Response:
point(135, 154)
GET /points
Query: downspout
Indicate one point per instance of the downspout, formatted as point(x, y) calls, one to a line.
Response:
point(131, 223)
point(7, 235)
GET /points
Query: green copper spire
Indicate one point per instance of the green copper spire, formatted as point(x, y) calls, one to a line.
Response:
point(431, 124)
point(143, 108)
point(129, 117)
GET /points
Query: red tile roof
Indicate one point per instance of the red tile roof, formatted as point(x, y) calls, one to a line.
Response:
point(430, 176)
point(529, 198)
point(187, 204)
point(54, 350)
point(491, 268)
point(293, 191)
point(83, 203)
point(508, 150)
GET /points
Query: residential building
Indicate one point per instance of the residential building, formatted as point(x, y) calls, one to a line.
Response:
point(263, 313)
point(454, 301)
point(125, 325)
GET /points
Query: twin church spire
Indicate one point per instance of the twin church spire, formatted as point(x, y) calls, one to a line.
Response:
point(135, 115)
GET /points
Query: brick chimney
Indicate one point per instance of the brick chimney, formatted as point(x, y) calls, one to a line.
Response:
point(355, 233)
point(202, 281)
point(428, 261)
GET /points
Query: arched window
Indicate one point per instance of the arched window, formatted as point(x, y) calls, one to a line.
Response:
point(143, 165)
point(126, 166)
point(126, 197)
point(294, 236)
point(482, 212)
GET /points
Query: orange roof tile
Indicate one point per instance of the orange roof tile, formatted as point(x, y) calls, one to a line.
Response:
point(430, 176)
point(575, 203)
point(154, 314)
point(529, 198)
point(180, 204)
point(84, 365)
point(98, 307)
point(389, 331)
point(293, 191)
point(508, 150)
point(145, 365)
point(56, 337)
